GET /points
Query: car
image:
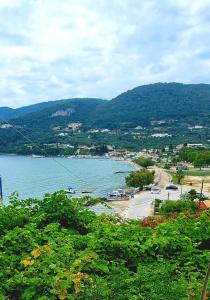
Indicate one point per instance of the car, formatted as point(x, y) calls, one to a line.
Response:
point(155, 190)
point(117, 193)
point(172, 187)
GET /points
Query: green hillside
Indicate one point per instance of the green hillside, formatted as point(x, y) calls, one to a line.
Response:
point(156, 102)
point(137, 106)
point(38, 109)
point(181, 112)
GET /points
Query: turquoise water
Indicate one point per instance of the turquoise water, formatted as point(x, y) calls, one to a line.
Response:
point(33, 177)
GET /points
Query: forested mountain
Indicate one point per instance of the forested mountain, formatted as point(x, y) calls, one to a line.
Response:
point(8, 113)
point(178, 112)
point(5, 112)
point(156, 102)
point(137, 106)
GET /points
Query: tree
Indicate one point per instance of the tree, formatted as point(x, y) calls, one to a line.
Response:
point(101, 150)
point(139, 179)
point(202, 159)
point(192, 194)
point(144, 162)
point(179, 175)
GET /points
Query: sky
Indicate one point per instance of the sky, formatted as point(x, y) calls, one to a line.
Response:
point(58, 49)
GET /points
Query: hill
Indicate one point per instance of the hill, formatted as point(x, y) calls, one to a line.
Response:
point(171, 112)
point(156, 102)
point(137, 106)
point(9, 113)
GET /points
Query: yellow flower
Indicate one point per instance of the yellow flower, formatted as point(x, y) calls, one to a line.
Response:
point(36, 253)
point(27, 262)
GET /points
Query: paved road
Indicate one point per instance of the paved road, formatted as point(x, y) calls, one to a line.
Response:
point(141, 205)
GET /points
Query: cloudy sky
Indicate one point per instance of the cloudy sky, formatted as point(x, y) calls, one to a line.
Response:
point(54, 49)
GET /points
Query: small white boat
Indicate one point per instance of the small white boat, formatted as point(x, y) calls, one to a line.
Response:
point(86, 191)
point(37, 156)
point(70, 191)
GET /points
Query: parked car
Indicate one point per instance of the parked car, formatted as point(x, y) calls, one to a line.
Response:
point(172, 187)
point(155, 190)
point(117, 193)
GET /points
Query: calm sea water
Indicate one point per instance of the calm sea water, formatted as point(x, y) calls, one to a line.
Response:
point(33, 177)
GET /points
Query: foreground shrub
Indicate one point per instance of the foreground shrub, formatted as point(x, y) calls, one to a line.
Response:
point(58, 248)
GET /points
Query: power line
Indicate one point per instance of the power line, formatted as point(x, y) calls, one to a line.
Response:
point(42, 150)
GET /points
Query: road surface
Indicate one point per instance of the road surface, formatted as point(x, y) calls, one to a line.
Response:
point(141, 205)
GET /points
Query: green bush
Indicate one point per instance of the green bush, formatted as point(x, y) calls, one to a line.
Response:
point(178, 206)
point(139, 179)
point(58, 248)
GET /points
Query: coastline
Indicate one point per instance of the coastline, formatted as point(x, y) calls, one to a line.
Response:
point(22, 173)
point(132, 209)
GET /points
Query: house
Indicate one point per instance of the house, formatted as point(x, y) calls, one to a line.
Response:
point(157, 135)
point(195, 146)
point(62, 134)
point(105, 130)
point(84, 147)
point(93, 131)
point(179, 147)
point(204, 205)
point(5, 126)
point(74, 126)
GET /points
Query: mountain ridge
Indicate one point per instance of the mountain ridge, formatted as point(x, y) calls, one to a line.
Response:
point(182, 109)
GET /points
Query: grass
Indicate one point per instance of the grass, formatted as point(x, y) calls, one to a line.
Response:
point(197, 173)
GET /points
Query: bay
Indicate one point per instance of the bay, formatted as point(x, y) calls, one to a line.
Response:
point(33, 177)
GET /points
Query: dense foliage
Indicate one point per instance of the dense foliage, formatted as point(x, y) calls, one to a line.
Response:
point(143, 162)
point(178, 176)
point(56, 248)
point(139, 179)
point(198, 157)
point(178, 206)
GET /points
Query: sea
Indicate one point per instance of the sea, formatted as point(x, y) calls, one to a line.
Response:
point(33, 177)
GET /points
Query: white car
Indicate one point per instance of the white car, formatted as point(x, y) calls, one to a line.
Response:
point(155, 190)
point(115, 194)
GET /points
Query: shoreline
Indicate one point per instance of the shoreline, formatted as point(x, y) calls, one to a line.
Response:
point(117, 182)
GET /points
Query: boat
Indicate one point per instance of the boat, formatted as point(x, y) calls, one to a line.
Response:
point(122, 172)
point(37, 156)
point(86, 191)
point(70, 190)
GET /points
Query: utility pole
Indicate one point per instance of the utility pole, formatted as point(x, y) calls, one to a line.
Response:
point(201, 194)
point(1, 191)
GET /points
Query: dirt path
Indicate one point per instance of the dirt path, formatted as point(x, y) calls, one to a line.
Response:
point(196, 181)
point(162, 178)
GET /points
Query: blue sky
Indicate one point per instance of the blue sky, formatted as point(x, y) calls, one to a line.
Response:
point(54, 49)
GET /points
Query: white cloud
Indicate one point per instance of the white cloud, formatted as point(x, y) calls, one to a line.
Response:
point(54, 49)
